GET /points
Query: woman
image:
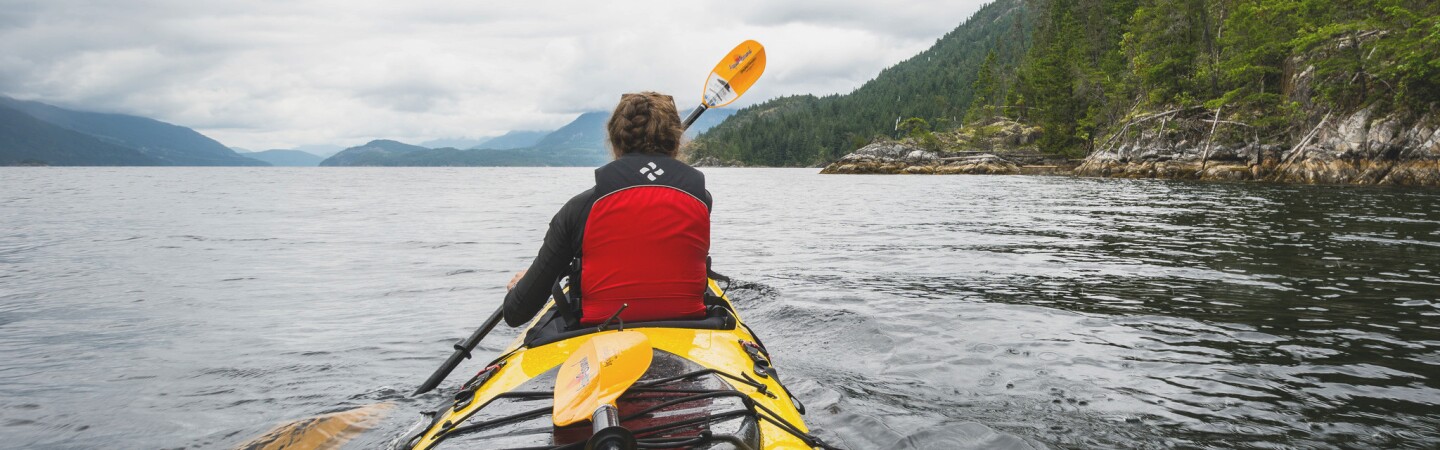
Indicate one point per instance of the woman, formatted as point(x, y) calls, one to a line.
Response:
point(641, 234)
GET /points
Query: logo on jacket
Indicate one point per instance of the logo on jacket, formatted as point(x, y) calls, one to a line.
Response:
point(652, 171)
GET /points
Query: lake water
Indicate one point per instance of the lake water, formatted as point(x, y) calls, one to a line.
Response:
point(199, 307)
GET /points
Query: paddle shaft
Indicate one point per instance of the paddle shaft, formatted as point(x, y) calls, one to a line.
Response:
point(606, 432)
point(694, 115)
point(462, 352)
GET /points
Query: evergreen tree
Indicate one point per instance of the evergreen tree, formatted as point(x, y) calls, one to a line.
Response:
point(1162, 46)
point(985, 91)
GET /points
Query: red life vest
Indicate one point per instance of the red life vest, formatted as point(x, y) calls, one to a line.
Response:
point(645, 246)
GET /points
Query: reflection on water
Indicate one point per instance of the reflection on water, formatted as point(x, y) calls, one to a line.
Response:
point(173, 307)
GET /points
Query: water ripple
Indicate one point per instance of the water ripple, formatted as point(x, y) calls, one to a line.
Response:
point(206, 305)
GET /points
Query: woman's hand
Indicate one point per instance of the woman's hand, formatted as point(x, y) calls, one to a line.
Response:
point(516, 279)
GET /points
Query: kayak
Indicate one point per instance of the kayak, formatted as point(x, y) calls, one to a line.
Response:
point(709, 383)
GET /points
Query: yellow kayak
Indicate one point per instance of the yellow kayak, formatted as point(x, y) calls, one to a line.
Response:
point(708, 384)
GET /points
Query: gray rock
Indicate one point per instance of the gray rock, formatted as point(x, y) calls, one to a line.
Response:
point(1356, 148)
point(890, 152)
point(711, 161)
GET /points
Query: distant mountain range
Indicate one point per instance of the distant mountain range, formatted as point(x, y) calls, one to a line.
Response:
point(34, 133)
point(509, 140)
point(383, 152)
point(287, 158)
point(321, 150)
point(453, 142)
point(38, 140)
point(582, 142)
point(25, 140)
point(512, 140)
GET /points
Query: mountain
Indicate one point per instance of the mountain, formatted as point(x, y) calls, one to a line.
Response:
point(936, 84)
point(321, 150)
point(373, 153)
point(513, 140)
point(581, 143)
point(289, 158)
point(397, 154)
point(25, 140)
point(172, 145)
point(453, 143)
point(586, 131)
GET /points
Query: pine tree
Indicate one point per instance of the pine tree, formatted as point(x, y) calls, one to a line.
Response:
point(1162, 46)
point(984, 91)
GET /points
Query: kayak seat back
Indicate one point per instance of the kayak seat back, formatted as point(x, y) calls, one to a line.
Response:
point(551, 327)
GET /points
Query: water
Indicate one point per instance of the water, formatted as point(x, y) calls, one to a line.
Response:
point(186, 307)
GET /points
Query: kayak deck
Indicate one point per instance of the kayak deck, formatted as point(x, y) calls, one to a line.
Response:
point(665, 407)
point(710, 385)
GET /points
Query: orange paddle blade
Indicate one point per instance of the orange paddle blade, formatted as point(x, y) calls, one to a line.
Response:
point(329, 431)
point(734, 74)
point(597, 373)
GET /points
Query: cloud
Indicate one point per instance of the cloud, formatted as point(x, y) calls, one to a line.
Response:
point(913, 19)
point(272, 74)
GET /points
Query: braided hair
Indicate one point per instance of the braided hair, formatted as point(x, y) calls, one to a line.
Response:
point(645, 122)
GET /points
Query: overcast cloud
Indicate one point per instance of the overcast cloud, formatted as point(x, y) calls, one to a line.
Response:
point(279, 74)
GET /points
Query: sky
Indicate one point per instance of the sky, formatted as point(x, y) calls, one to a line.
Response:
point(263, 74)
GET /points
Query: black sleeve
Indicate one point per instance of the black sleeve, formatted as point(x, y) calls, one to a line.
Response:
point(562, 242)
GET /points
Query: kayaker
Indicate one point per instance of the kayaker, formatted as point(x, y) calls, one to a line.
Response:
point(641, 234)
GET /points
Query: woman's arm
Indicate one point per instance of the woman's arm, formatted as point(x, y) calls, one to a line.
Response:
point(562, 242)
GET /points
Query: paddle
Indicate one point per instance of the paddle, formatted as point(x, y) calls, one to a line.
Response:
point(593, 377)
point(324, 431)
point(731, 78)
point(462, 352)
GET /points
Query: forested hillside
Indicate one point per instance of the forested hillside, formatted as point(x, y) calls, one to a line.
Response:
point(1080, 69)
point(1239, 58)
point(25, 140)
point(170, 144)
point(935, 84)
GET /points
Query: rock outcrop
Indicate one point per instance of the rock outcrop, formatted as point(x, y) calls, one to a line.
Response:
point(1364, 146)
point(884, 157)
point(711, 161)
point(903, 158)
point(1355, 149)
point(997, 147)
point(1358, 150)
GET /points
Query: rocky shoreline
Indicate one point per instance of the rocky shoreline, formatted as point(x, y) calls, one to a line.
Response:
point(999, 147)
point(711, 161)
point(1355, 149)
point(904, 158)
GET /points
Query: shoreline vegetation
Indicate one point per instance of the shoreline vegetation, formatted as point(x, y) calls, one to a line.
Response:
point(1297, 91)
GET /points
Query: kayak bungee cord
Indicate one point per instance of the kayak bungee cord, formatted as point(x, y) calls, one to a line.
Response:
point(751, 409)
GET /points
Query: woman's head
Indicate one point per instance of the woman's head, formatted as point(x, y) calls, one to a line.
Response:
point(645, 122)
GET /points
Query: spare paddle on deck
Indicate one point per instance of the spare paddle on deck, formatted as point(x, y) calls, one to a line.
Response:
point(593, 377)
point(731, 78)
